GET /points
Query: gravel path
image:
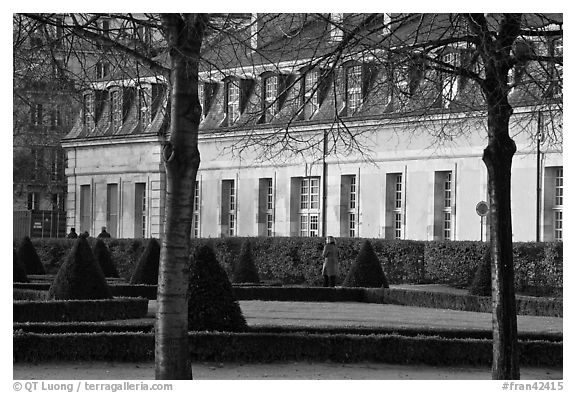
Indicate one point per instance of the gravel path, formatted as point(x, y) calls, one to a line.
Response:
point(266, 371)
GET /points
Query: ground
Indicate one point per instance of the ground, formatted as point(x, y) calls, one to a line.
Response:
point(268, 371)
point(264, 313)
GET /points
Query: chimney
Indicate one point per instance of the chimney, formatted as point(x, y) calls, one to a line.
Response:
point(336, 32)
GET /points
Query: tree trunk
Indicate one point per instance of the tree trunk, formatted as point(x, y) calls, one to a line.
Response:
point(181, 159)
point(498, 159)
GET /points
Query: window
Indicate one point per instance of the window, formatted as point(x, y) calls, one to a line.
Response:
point(88, 107)
point(55, 117)
point(115, 110)
point(201, 99)
point(447, 233)
point(311, 88)
point(449, 81)
point(145, 105)
point(558, 202)
point(309, 206)
point(557, 51)
point(102, 69)
point(352, 208)
point(394, 224)
point(232, 102)
point(105, 26)
point(444, 205)
point(140, 210)
point(353, 89)
point(85, 208)
point(37, 162)
point(398, 206)
point(57, 201)
point(37, 116)
point(112, 209)
point(266, 207)
point(229, 208)
point(270, 97)
point(57, 164)
point(196, 211)
point(33, 201)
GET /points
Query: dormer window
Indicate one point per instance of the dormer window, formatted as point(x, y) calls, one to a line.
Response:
point(311, 93)
point(206, 92)
point(145, 105)
point(556, 70)
point(270, 98)
point(115, 110)
point(88, 109)
point(448, 80)
point(232, 102)
point(102, 69)
point(353, 88)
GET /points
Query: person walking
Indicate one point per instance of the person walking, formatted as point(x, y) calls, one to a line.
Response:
point(330, 267)
point(72, 234)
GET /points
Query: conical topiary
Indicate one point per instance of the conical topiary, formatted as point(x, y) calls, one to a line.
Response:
point(148, 265)
point(80, 276)
point(482, 283)
point(244, 269)
point(104, 259)
point(19, 274)
point(29, 258)
point(211, 303)
point(366, 270)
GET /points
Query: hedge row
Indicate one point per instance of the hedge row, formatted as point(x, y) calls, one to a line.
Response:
point(296, 260)
point(266, 347)
point(148, 325)
point(406, 297)
point(79, 310)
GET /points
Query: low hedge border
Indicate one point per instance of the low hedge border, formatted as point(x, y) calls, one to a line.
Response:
point(79, 310)
point(147, 326)
point(550, 307)
point(266, 347)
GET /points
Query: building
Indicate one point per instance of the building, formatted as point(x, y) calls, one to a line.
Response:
point(291, 146)
point(50, 68)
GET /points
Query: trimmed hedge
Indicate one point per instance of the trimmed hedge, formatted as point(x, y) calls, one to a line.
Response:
point(244, 270)
point(211, 303)
point(79, 310)
point(266, 347)
point(29, 258)
point(80, 277)
point(366, 271)
point(538, 266)
point(18, 272)
point(147, 325)
point(146, 271)
point(104, 259)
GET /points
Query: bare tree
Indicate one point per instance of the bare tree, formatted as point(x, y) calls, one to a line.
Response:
point(419, 65)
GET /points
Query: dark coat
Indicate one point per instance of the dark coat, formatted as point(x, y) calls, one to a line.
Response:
point(330, 254)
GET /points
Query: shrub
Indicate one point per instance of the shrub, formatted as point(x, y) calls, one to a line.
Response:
point(80, 310)
point(29, 258)
point(244, 268)
point(18, 272)
point(80, 277)
point(211, 304)
point(104, 258)
point(148, 265)
point(482, 284)
point(366, 271)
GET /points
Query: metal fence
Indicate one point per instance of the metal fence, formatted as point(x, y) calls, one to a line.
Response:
point(39, 223)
